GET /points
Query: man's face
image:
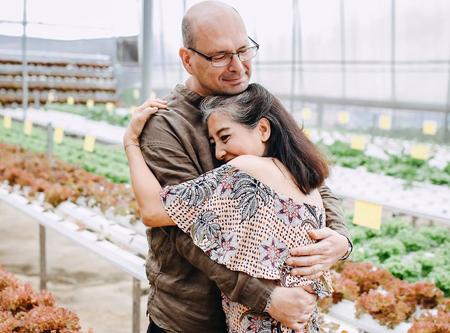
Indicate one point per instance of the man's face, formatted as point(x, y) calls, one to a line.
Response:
point(216, 39)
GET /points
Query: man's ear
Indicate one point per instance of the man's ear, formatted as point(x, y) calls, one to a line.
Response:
point(185, 57)
point(264, 129)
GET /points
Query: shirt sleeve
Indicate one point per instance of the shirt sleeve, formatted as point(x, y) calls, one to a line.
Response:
point(171, 164)
point(333, 211)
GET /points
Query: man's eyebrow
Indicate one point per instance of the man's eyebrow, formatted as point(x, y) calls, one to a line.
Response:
point(227, 51)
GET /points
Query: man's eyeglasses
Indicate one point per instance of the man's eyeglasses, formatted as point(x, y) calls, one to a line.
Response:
point(224, 59)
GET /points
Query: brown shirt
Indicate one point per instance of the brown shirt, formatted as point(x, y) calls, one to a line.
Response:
point(184, 281)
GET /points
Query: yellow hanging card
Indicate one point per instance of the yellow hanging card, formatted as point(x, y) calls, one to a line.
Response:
point(343, 117)
point(307, 132)
point(109, 107)
point(90, 103)
point(89, 143)
point(58, 135)
point(429, 127)
point(358, 142)
point(420, 152)
point(385, 122)
point(50, 97)
point(7, 122)
point(28, 127)
point(367, 214)
point(306, 113)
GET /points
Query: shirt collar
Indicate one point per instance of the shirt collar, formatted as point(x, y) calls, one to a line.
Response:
point(191, 96)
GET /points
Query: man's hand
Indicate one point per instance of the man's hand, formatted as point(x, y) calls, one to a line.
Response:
point(312, 260)
point(292, 306)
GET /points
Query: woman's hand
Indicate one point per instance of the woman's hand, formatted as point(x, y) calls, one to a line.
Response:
point(139, 119)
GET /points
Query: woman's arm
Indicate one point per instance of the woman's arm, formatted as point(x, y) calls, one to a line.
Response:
point(146, 189)
point(145, 185)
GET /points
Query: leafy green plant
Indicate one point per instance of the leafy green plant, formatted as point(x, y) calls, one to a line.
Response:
point(408, 253)
point(398, 165)
point(108, 161)
point(98, 112)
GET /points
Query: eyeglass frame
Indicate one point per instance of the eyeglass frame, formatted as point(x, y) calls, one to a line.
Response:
point(210, 58)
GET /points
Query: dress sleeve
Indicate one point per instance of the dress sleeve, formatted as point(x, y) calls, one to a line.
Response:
point(187, 203)
point(243, 224)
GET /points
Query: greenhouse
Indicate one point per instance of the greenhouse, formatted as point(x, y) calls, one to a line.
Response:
point(224, 166)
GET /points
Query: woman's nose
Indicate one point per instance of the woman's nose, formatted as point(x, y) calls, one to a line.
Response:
point(220, 154)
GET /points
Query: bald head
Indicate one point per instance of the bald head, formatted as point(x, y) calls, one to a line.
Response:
point(205, 16)
point(212, 29)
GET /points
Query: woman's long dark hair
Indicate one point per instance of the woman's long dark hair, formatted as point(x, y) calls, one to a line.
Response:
point(287, 141)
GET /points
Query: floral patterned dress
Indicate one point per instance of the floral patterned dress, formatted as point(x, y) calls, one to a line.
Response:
point(245, 225)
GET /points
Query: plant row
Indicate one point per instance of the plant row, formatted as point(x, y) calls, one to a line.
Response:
point(98, 112)
point(409, 253)
point(389, 300)
point(106, 160)
point(111, 161)
point(400, 166)
point(23, 311)
point(57, 181)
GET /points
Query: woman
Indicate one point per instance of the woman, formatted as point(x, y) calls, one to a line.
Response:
point(249, 212)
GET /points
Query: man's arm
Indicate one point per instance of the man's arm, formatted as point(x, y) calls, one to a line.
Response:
point(333, 242)
point(334, 212)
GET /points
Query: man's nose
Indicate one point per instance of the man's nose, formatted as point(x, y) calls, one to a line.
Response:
point(235, 64)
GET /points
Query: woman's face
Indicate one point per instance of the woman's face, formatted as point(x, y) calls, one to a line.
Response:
point(232, 139)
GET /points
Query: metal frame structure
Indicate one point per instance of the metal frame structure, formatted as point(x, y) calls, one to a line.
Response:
point(126, 261)
point(296, 63)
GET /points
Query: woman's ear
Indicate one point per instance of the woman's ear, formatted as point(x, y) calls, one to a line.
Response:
point(264, 129)
point(185, 57)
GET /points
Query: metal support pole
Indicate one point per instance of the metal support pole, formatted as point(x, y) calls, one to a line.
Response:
point(320, 117)
point(393, 63)
point(343, 55)
point(162, 45)
point(294, 53)
point(257, 63)
point(447, 111)
point(136, 305)
point(181, 68)
point(373, 127)
point(300, 53)
point(42, 259)
point(414, 221)
point(49, 140)
point(147, 42)
point(446, 118)
point(24, 63)
point(393, 79)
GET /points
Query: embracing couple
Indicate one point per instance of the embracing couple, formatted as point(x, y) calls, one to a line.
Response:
point(242, 231)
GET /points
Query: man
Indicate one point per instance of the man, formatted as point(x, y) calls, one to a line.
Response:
point(184, 294)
